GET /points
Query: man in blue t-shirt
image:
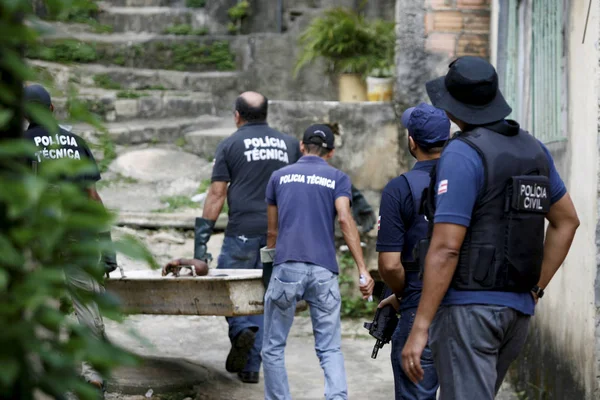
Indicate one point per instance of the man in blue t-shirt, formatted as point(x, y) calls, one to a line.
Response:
point(487, 263)
point(303, 200)
point(401, 228)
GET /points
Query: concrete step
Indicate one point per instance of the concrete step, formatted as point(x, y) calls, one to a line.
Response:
point(153, 19)
point(145, 3)
point(204, 142)
point(225, 85)
point(144, 50)
point(123, 105)
point(148, 131)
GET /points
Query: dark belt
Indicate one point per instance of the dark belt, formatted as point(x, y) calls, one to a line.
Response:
point(411, 266)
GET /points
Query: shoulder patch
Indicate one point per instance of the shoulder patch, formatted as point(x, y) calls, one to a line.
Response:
point(443, 187)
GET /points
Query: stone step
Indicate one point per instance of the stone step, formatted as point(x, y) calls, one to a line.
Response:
point(148, 131)
point(225, 86)
point(145, 3)
point(146, 220)
point(145, 50)
point(112, 105)
point(155, 19)
point(204, 142)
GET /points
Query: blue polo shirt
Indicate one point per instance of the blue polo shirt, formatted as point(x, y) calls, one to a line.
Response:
point(462, 169)
point(305, 195)
point(397, 212)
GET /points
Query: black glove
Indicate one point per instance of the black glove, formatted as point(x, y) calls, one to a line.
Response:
point(109, 257)
point(362, 211)
point(202, 232)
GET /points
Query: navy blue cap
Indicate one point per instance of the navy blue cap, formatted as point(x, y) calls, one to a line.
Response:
point(38, 94)
point(319, 134)
point(427, 125)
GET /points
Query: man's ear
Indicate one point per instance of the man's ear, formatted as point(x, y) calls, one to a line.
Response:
point(237, 118)
point(302, 148)
point(51, 107)
point(412, 144)
point(330, 154)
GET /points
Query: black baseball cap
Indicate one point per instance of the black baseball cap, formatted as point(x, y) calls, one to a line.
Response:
point(319, 134)
point(36, 93)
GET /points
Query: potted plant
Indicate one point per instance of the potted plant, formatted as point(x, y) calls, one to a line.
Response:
point(345, 41)
point(380, 80)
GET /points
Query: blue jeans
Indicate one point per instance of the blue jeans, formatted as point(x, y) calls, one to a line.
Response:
point(240, 252)
point(289, 283)
point(404, 388)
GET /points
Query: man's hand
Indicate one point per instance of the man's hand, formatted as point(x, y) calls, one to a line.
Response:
point(535, 297)
point(391, 300)
point(411, 354)
point(366, 288)
point(198, 267)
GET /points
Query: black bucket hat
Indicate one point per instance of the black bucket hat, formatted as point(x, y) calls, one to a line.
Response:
point(470, 92)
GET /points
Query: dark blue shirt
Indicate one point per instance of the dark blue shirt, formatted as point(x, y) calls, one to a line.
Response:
point(460, 171)
point(305, 195)
point(246, 160)
point(397, 212)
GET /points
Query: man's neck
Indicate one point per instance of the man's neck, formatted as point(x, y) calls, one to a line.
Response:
point(428, 157)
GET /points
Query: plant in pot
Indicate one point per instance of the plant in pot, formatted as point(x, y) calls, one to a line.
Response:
point(343, 39)
point(380, 80)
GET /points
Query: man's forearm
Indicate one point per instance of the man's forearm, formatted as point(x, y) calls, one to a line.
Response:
point(557, 244)
point(393, 276)
point(440, 266)
point(213, 206)
point(352, 238)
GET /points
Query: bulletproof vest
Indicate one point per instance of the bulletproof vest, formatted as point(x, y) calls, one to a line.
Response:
point(417, 228)
point(504, 244)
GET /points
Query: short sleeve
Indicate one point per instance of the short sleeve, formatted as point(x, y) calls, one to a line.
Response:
point(271, 195)
point(557, 186)
point(93, 175)
point(343, 187)
point(395, 198)
point(458, 184)
point(221, 171)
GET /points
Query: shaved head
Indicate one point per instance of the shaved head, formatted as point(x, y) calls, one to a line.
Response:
point(252, 107)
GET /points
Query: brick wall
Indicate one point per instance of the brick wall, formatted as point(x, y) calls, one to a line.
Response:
point(457, 27)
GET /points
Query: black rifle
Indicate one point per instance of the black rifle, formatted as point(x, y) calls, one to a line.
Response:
point(384, 324)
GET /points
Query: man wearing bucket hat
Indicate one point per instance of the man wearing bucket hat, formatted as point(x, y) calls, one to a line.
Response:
point(400, 230)
point(488, 263)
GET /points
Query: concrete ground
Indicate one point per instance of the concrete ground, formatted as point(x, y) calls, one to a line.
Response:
point(203, 341)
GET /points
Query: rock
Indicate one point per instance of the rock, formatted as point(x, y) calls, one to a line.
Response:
point(155, 165)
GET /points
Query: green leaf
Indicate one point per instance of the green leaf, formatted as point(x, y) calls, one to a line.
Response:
point(5, 116)
point(41, 115)
point(132, 247)
point(9, 369)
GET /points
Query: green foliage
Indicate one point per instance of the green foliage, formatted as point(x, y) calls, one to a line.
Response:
point(47, 224)
point(185, 29)
point(204, 185)
point(236, 14)
point(104, 81)
point(181, 56)
point(347, 42)
point(78, 11)
point(128, 94)
point(118, 179)
point(195, 3)
point(382, 65)
point(175, 203)
point(102, 28)
point(155, 87)
point(180, 142)
point(63, 51)
point(109, 151)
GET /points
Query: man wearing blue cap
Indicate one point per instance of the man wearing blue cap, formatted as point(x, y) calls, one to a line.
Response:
point(303, 200)
point(400, 230)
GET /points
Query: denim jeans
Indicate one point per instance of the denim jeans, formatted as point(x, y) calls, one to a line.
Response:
point(404, 388)
point(318, 286)
point(241, 252)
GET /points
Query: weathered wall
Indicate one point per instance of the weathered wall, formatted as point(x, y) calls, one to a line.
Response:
point(430, 33)
point(561, 356)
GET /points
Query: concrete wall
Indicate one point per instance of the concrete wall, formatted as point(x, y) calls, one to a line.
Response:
point(560, 360)
point(431, 33)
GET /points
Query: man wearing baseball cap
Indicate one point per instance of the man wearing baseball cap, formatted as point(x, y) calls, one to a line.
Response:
point(490, 257)
point(303, 200)
point(400, 230)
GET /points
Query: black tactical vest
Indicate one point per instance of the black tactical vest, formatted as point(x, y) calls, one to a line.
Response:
point(504, 244)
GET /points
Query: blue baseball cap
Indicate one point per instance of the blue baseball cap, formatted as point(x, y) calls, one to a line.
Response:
point(37, 94)
point(428, 126)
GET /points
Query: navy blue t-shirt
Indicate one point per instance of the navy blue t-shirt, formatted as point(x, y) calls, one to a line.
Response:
point(460, 174)
point(305, 195)
point(246, 160)
point(396, 212)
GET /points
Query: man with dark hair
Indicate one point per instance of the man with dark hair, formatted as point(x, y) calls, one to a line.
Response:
point(252, 112)
point(400, 231)
point(303, 201)
point(488, 260)
point(65, 144)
